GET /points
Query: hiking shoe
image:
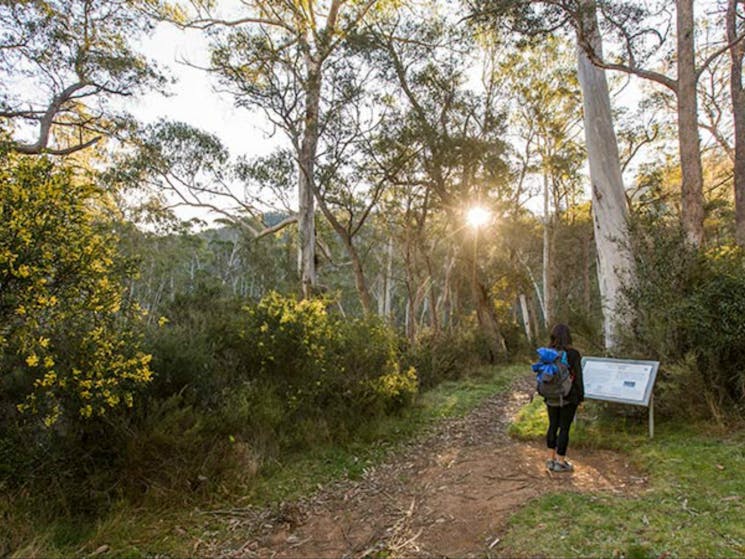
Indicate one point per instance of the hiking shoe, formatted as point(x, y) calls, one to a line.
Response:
point(562, 467)
point(550, 464)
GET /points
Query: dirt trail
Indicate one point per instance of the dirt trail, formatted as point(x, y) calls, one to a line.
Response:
point(447, 494)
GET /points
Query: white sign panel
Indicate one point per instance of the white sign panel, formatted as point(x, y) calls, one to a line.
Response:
point(619, 380)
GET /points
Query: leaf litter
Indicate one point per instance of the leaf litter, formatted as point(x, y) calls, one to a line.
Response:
point(447, 493)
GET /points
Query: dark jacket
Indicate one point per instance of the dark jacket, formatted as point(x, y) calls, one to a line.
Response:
point(577, 393)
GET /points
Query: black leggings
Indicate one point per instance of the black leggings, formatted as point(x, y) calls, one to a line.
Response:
point(559, 420)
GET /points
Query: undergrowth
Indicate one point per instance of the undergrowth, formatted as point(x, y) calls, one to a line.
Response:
point(174, 529)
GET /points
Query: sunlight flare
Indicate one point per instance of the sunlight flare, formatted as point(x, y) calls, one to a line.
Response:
point(477, 216)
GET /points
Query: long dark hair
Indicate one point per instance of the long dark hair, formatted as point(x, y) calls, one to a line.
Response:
point(561, 338)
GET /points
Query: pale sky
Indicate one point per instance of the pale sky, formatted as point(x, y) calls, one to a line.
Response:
point(195, 99)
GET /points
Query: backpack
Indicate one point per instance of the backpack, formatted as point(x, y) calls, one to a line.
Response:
point(553, 378)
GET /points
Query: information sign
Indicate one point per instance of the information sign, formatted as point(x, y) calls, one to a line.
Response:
point(619, 380)
point(626, 381)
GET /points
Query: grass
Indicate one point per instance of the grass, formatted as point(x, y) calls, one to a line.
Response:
point(693, 507)
point(594, 426)
point(173, 529)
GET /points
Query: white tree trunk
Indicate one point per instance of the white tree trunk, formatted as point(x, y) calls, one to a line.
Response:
point(547, 302)
point(388, 289)
point(538, 293)
point(609, 209)
point(526, 316)
point(737, 95)
point(445, 303)
point(307, 234)
point(692, 195)
point(306, 194)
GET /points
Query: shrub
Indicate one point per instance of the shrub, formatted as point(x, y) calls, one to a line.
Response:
point(448, 355)
point(328, 372)
point(69, 346)
point(688, 311)
point(369, 377)
point(196, 347)
point(235, 386)
point(287, 343)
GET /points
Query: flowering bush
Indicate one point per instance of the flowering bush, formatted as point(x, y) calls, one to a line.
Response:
point(64, 331)
point(322, 364)
point(289, 341)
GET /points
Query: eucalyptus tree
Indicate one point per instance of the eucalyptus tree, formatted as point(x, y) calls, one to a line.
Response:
point(274, 56)
point(449, 143)
point(545, 113)
point(735, 32)
point(348, 185)
point(609, 206)
point(62, 62)
point(642, 34)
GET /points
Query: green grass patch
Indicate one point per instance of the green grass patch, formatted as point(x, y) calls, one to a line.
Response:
point(173, 529)
point(594, 426)
point(693, 507)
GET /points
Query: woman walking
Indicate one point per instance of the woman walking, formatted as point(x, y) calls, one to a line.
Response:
point(561, 415)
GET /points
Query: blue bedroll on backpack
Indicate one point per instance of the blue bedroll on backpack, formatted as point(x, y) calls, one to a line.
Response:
point(553, 378)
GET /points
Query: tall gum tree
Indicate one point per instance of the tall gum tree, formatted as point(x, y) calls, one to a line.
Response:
point(546, 113)
point(627, 21)
point(610, 212)
point(274, 57)
point(454, 138)
point(734, 20)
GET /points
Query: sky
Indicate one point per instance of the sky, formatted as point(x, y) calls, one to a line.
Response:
point(196, 100)
point(195, 97)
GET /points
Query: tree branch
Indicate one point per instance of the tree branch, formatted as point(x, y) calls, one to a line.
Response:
point(207, 23)
point(716, 54)
point(46, 121)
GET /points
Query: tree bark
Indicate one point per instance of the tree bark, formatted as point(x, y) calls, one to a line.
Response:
point(488, 321)
point(360, 281)
point(547, 299)
point(692, 189)
point(485, 310)
point(410, 325)
point(539, 296)
point(586, 263)
point(386, 289)
point(610, 212)
point(737, 52)
point(526, 317)
point(445, 303)
point(434, 319)
point(347, 238)
point(306, 186)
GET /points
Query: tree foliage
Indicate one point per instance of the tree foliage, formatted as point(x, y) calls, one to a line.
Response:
point(69, 342)
point(61, 64)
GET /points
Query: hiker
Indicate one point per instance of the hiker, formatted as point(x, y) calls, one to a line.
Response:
point(561, 413)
